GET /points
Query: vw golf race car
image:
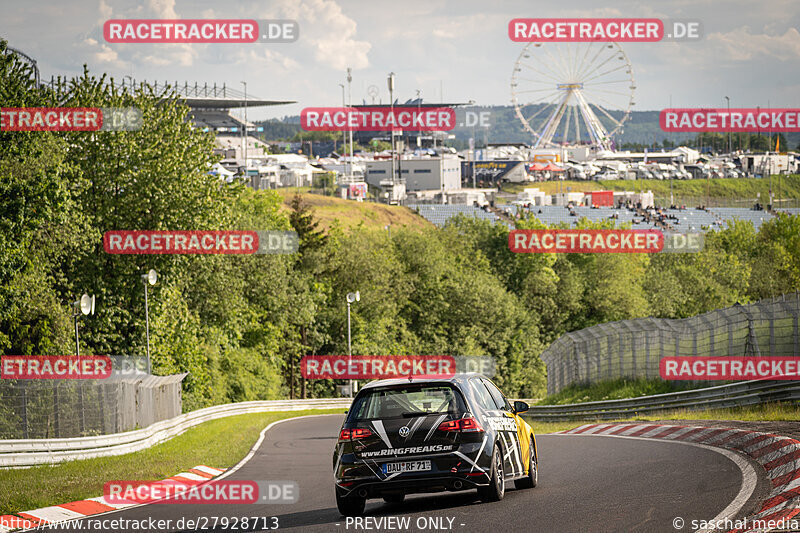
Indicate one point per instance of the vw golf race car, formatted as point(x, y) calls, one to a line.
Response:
point(405, 436)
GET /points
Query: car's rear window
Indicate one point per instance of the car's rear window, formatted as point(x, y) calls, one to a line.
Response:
point(407, 401)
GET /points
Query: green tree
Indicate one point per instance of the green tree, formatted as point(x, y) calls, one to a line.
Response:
point(776, 261)
point(302, 220)
point(35, 209)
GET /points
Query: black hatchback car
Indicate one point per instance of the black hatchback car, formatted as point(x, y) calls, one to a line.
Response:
point(405, 436)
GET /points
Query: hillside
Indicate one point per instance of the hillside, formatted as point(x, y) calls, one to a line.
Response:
point(350, 213)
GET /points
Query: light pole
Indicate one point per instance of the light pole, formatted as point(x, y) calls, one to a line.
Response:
point(730, 149)
point(86, 307)
point(344, 134)
point(350, 104)
point(758, 113)
point(151, 278)
point(471, 151)
point(245, 128)
point(351, 297)
point(391, 104)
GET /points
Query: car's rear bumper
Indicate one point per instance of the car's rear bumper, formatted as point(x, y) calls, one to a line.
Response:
point(376, 488)
point(461, 469)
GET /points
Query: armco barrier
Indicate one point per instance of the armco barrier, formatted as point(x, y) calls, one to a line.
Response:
point(739, 394)
point(32, 452)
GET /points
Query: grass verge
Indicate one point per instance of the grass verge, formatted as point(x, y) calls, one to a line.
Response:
point(773, 412)
point(219, 443)
point(616, 389)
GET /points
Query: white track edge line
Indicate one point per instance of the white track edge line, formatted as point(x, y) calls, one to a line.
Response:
point(221, 476)
point(260, 440)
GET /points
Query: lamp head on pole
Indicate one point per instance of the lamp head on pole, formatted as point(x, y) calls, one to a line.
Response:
point(151, 277)
point(85, 304)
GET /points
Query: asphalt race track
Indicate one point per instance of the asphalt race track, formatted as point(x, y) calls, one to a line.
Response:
point(586, 484)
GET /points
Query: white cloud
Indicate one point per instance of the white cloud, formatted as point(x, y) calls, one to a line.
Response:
point(743, 45)
point(460, 46)
point(328, 37)
point(162, 9)
point(332, 34)
point(105, 55)
point(104, 10)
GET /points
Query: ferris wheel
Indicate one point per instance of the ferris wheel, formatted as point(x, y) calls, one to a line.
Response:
point(573, 93)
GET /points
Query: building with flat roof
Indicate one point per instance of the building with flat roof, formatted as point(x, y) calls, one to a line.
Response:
point(428, 174)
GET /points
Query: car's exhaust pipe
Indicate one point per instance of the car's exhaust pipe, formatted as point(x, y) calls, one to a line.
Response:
point(457, 485)
point(362, 493)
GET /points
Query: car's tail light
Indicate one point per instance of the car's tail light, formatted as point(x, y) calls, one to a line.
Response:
point(354, 434)
point(465, 425)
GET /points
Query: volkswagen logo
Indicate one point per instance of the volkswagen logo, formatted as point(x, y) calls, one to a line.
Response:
point(404, 431)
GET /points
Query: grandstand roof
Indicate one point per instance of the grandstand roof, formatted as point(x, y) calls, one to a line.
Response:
point(230, 103)
point(207, 96)
point(412, 104)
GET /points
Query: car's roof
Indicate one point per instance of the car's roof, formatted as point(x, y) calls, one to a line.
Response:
point(456, 378)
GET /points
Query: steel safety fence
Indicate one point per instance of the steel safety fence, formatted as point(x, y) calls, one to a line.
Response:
point(57, 408)
point(633, 348)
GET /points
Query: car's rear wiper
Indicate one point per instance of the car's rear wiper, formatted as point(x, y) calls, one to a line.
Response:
point(420, 413)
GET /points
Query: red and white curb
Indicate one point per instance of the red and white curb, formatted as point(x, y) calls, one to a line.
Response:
point(94, 506)
point(779, 456)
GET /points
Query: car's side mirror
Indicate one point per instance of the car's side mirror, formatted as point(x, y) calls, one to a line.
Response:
point(520, 407)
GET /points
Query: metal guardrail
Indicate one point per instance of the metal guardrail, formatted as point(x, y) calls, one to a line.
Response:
point(32, 452)
point(739, 394)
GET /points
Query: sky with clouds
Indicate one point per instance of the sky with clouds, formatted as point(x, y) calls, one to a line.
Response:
point(458, 50)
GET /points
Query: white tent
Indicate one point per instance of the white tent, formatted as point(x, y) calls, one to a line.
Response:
point(221, 171)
